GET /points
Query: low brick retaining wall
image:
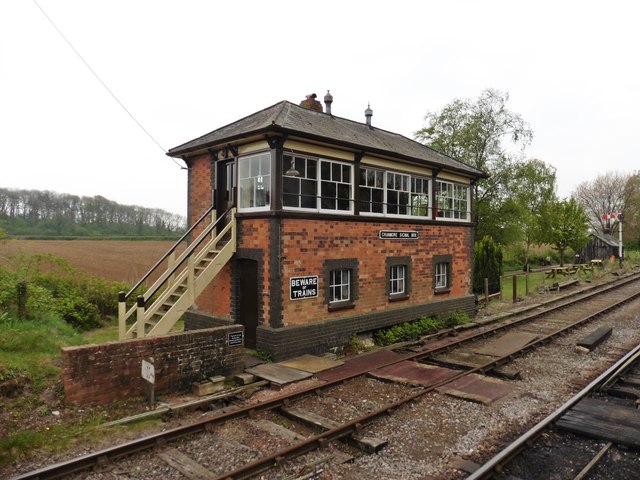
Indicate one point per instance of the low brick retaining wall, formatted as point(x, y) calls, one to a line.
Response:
point(101, 374)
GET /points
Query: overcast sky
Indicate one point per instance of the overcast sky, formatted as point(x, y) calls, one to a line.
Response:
point(184, 68)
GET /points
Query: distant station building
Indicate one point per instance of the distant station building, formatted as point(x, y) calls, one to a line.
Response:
point(338, 227)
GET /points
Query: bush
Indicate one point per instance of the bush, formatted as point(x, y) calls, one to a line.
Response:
point(53, 286)
point(487, 263)
point(415, 329)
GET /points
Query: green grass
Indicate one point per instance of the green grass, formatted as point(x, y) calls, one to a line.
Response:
point(30, 346)
point(536, 279)
point(52, 438)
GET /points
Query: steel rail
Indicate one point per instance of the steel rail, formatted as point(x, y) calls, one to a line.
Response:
point(496, 464)
point(84, 462)
point(348, 428)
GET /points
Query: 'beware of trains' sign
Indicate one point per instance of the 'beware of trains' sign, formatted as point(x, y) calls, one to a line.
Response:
point(303, 287)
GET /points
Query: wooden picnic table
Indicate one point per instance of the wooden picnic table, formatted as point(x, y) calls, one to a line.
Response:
point(555, 271)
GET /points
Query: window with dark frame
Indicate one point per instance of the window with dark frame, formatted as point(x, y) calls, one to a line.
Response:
point(442, 273)
point(341, 288)
point(398, 277)
point(340, 285)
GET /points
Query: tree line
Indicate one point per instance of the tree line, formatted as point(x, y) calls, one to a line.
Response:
point(45, 213)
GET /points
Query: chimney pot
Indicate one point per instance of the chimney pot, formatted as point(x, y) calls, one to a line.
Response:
point(328, 100)
point(368, 113)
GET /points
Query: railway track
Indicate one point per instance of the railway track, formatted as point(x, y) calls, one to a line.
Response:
point(458, 349)
point(587, 437)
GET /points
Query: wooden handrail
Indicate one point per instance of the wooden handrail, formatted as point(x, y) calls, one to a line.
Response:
point(184, 256)
point(123, 297)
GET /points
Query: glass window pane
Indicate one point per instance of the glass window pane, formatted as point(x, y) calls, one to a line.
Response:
point(265, 164)
point(301, 166)
point(346, 173)
point(290, 185)
point(244, 168)
point(254, 167)
point(363, 176)
point(312, 169)
point(246, 193)
point(344, 191)
point(290, 200)
point(335, 172)
point(325, 170)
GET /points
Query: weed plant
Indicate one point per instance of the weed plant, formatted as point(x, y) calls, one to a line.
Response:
point(415, 329)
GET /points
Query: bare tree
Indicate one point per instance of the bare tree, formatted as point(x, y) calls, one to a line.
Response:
point(601, 197)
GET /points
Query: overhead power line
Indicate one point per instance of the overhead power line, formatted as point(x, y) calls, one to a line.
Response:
point(164, 150)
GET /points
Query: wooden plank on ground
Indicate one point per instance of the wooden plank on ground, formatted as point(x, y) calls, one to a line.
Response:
point(595, 338)
point(413, 373)
point(311, 363)
point(368, 444)
point(278, 430)
point(507, 344)
point(604, 420)
point(477, 388)
point(278, 374)
point(185, 465)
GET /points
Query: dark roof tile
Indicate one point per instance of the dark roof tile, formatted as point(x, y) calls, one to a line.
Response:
point(295, 119)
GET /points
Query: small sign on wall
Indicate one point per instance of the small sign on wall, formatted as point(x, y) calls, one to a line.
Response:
point(398, 235)
point(235, 339)
point(303, 287)
point(148, 372)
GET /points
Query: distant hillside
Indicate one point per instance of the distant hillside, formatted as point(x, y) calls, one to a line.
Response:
point(51, 214)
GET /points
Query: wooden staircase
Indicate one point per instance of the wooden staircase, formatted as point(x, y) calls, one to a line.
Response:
point(162, 304)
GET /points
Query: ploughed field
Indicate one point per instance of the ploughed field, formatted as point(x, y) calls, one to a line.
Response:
point(118, 260)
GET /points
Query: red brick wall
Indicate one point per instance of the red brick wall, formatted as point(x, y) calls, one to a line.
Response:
point(100, 374)
point(215, 299)
point(199, 187)
point(306, 244)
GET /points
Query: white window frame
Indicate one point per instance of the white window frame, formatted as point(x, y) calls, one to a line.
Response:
point(412, 195)
point(351, 184)
point(266, 180)
point(454, 201)
point(344, 272)
point(383, 188)
point(407, 191)
point(397, 278)
point(305, 158)
point(441, 275)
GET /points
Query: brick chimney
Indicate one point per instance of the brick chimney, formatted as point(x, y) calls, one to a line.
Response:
point(311, 103)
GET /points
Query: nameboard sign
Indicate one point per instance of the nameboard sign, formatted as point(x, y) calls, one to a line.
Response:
point(398, 235)
point(303, 287)
point(235, 339)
